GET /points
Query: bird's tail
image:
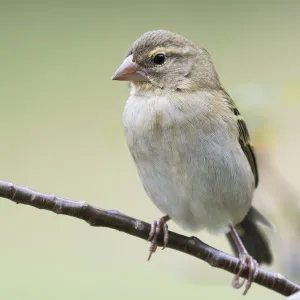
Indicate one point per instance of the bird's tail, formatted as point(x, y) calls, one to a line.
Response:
point(254, 240)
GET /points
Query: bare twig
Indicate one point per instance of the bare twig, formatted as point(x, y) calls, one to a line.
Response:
point(295, 296)
point(116, 220)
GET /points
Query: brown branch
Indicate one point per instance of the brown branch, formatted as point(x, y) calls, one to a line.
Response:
point(116, 220)
point(295, 296)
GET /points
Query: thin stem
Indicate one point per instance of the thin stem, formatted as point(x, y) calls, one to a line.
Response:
point(116, 220)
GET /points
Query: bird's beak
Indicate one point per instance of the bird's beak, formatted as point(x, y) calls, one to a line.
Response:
point(129, 71)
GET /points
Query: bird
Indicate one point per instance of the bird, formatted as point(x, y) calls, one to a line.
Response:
point(191, 146)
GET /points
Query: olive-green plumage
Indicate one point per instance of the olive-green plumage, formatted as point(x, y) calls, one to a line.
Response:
point(190, 144)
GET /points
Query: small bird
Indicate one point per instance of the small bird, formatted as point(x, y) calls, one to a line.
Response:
point(191, 146)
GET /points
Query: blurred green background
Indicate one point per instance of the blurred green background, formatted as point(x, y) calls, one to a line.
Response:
point(61, 133)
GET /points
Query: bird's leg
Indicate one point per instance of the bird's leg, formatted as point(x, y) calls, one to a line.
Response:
point(246, 261)
point(156, 228)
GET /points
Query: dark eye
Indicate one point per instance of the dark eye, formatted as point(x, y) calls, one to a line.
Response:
point(159, 59)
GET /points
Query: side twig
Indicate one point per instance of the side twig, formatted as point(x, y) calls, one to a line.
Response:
point(116, 220)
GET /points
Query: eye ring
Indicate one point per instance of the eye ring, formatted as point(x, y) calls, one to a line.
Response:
point(159, 59)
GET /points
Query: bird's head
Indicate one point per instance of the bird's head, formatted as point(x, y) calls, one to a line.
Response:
point(162, 60)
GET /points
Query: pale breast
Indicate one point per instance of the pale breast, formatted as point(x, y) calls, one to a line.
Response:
point(189, 161)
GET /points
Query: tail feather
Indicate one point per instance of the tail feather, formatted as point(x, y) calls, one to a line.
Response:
point(254, 240)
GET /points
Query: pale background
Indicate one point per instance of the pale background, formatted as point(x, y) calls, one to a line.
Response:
point(61, 133)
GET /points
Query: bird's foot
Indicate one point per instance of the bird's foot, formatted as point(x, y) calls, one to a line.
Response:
point(156, 228)
point(246, 261)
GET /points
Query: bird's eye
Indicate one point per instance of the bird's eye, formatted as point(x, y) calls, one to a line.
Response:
point(159, 59)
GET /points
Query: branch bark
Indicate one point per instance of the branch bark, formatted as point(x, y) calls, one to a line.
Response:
point(295, 296)
point(116, 220)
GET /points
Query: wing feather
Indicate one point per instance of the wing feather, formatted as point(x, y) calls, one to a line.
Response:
point(244, 139)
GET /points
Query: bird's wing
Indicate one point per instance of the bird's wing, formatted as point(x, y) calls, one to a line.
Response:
point(256, 216)
point(244, 139)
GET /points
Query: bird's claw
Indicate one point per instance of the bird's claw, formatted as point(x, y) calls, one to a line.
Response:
point(156, 228)
point(246, 261)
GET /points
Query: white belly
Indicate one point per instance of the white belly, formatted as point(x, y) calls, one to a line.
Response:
point(199, 177)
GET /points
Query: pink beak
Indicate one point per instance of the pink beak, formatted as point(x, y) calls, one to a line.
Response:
point(129, 71)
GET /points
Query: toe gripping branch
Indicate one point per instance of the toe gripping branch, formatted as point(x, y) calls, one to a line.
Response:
point(246, 261)
point(156, 227)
